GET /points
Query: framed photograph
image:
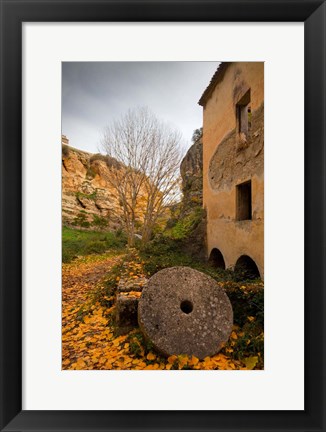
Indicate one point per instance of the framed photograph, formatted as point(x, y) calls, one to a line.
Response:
point(93, 245)
point(156, 276)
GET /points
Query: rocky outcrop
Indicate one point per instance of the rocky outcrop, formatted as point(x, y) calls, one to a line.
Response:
point(87, 196)
point(195, 243)
point(190, 208)
point(191, 170)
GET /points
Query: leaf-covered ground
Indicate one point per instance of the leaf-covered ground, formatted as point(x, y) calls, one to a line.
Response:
point(90, 340)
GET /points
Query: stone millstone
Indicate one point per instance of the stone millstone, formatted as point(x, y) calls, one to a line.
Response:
point(183, 311)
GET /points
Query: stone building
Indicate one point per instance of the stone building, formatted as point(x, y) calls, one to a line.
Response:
point(233, 166)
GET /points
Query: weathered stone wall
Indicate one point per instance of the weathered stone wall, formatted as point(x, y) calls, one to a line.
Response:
point(228, 161)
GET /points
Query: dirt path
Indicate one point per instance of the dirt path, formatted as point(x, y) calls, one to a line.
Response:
point(81, 277)
point(87, 340)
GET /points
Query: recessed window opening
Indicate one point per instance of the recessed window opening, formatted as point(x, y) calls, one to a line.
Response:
point(243, 198)
point(243, 110)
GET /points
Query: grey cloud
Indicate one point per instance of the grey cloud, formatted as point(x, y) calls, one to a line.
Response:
point(94, 93)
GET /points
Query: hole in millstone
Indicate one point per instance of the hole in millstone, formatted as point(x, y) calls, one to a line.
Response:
point(186, 306)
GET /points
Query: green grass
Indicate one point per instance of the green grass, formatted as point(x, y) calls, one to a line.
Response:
point(79, 243)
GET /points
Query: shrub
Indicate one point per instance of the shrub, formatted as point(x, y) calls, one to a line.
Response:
point(249, 342)
point(99, 221)
point(110, 161)
point(95, 247)
point(65, 150)
point(185, 225)
point(163, 252)
point(248, 310)
point(246, 301)
point(216, 273)
point(91, 196)
point(68, 255)
point(81, 220)
point(114, 241)
point(90, 173)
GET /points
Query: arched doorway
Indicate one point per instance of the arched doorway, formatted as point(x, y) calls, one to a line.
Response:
point(216, 259)
point(246, 268)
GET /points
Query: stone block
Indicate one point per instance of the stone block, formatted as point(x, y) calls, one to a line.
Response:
point(126, 312)
point(128, 285)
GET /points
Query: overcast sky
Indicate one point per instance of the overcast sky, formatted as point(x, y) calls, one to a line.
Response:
point(93, 94)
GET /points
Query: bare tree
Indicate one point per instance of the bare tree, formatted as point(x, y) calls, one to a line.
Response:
point(146, 178)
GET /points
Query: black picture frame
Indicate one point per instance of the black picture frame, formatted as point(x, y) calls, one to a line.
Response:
point(13, 14)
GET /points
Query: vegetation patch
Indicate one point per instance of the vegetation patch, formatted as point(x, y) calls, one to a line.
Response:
point(65, 150)
point(100, 221)
point(109, 161)
point(81, 220)
point(79, 243)
point(91, 196)
point(90, 173)
point(184, 226)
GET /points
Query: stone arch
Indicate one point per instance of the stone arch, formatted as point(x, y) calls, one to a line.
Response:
point(216, 258)
point(246, 268)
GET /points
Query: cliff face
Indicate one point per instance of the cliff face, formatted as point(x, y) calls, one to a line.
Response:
point(191, 170)
point(87, 196)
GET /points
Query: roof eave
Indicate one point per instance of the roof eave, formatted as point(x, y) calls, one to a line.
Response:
point(216, 78)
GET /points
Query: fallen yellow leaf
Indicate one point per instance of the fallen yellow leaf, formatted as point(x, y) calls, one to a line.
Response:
point(151, 356)
point(193, 361)
point(250, 362)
